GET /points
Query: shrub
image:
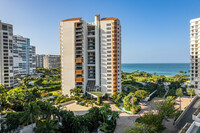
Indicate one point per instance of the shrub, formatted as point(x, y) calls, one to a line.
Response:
point(62, 99)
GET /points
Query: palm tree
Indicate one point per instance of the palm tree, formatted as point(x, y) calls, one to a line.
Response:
point(179, 93)
point(191, 92)
point(47, 126)
point(115, 115)
point(105, 111)
point(31, 113)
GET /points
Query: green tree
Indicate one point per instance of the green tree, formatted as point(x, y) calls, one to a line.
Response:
point(166, 109)
point(141, 128)
point(3, 98)
point(141, 94)
point(25, 82)
point(152, 121)
point(76, 92)
point(179, 93)
point(191, 92)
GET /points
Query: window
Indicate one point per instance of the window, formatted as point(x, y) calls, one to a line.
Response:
point(108, 43)
point(108, 24)
point(108, 39)
point(4, 27)
point(109, 28)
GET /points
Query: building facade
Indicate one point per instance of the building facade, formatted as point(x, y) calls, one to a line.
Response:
point(6, 55)
point(195, 52)
point(91, 55)
point(51, 61)
point(24, 56)
point(39, 60)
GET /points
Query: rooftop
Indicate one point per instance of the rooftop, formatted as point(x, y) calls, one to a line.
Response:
point(111, 18)
point(72, 19)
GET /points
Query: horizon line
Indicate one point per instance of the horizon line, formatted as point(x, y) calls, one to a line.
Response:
point(160, 63)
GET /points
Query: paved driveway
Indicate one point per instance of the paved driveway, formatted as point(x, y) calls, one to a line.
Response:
point(77, 109)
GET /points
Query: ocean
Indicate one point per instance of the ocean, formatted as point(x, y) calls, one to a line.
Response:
point(167, 69)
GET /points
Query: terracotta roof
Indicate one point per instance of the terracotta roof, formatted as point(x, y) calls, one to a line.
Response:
point(111, 18)
point(97, 15)
point(71, 19)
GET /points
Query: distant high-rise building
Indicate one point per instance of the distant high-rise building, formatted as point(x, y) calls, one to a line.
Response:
point(6, 54)
point(91, 55)
point(39, 60)
point(24, 56)
point(51, 61)
point(194, 52)
point(32, 61)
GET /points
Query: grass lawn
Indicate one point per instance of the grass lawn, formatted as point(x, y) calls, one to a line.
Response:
point(99, 94)
point(58, 92)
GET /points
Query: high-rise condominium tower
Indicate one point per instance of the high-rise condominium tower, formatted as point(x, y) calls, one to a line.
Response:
point(91, 55)
point(39, 60)
point(6, 54)
point(194, 52)
point(24, 56)
point(51, 61)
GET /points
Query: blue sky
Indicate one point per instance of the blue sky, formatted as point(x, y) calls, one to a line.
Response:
point(153, 31)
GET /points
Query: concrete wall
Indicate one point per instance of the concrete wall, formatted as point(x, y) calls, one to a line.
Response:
point(67, 52)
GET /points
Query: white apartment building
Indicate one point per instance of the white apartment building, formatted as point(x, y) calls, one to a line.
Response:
point(195, 52)
point(51, 61)
point(39, 60)
point(6, 55)
point(91, 55)
point(23, 56)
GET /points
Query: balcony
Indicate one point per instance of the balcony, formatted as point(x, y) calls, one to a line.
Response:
point(91, 35)
point(79, 79)
point(91, 62)
point(79, 41)
point(79, 33)
point(91, 48)
point(79, 38)
point(78, 25)
point(79, 71)
point(78, 60)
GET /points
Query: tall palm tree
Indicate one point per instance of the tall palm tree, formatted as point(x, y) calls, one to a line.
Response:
point(191, 92)
point(179, 93)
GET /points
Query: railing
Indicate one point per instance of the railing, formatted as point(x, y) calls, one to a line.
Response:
point(183, 113)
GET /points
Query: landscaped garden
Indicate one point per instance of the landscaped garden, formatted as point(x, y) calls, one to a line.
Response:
point(23, 106)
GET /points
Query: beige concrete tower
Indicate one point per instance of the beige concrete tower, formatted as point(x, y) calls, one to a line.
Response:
point(91, 55)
